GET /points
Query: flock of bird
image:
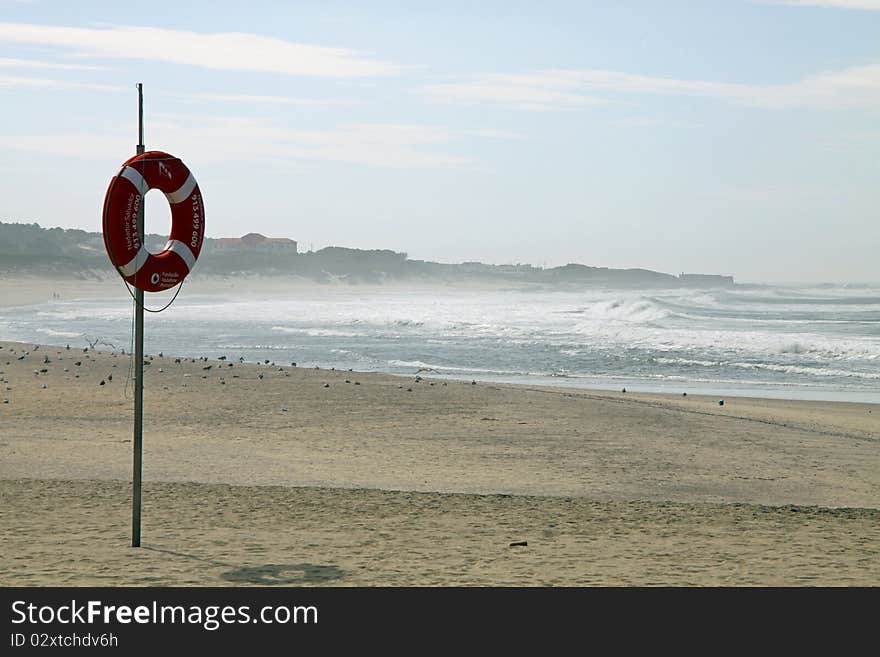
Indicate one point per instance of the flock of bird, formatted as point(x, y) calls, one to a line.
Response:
point(69, 363)
point(77, 362)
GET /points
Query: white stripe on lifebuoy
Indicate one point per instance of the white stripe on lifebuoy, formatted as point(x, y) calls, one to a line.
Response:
point(183, 193)
point(131, 268)
point(182, 249)
point(135, 178)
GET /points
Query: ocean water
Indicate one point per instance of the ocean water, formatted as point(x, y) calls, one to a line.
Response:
point(788, 342)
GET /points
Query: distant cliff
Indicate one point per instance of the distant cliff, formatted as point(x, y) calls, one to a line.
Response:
point(32, 250)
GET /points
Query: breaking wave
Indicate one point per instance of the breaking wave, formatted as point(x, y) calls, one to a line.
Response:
point(759, 336)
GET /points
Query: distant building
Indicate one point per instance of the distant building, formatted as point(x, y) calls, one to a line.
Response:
point(706, 280)
point(255, 242)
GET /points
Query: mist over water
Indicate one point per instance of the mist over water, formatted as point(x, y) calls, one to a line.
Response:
point(793, 342)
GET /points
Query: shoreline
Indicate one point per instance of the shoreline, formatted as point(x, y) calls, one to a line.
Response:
point(23, 291)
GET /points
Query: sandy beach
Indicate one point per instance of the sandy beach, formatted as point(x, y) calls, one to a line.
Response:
point(477, 294)
point(261, 474)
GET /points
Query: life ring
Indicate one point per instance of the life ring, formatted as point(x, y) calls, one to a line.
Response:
point(153, 272)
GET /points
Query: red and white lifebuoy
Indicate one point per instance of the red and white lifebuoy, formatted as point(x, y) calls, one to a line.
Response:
point(147, 271)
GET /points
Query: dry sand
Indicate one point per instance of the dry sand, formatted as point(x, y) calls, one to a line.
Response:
point(380, 480)
point(27, 290)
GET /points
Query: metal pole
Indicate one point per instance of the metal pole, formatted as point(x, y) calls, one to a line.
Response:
point(138, 359)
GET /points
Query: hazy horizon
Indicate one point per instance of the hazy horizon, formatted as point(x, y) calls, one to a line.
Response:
point(725, 137)
point(302, 249)
point(739, 280)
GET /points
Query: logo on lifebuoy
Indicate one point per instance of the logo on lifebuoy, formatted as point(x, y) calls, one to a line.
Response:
point(154, 279)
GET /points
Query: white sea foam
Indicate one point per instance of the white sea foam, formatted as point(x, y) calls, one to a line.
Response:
point(457, 368)
point(316, 332)
point(689, 361)
point(394, 362)
point(60, 334)
point(637, 309)
point(810, 371)
point(777, 336)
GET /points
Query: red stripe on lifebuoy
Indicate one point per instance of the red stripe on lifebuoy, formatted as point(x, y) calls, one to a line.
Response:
point(148, 271)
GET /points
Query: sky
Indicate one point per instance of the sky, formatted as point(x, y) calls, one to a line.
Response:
point(737, 137)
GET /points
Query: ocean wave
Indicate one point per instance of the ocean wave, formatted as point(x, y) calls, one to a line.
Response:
point(454, 368)
point(697, 335)
point(317, 332)
point(808, 371)
point(394, 362)
point(796, 348)
point(85, 314)
point(638, 310)
point(720, 345)
point(59, 334)
point(687, 361)
point(249, 347)
point(772, 367)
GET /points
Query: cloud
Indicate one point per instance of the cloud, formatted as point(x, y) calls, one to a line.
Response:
point(11, 81)
point(871, 5)
point(266, 100)
point(637, 122)
point(229, 51)
point(6, 62)
point(99, 146)
point(491, 134)
point(244, 140)
point(541, 91)
point(384, 145)
point(560, 89)
point(866, 140)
